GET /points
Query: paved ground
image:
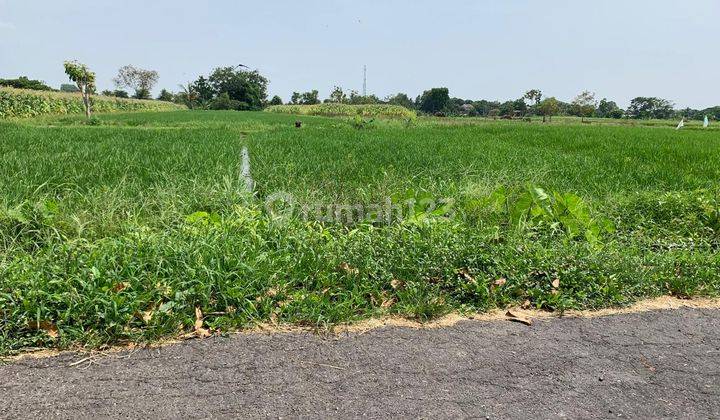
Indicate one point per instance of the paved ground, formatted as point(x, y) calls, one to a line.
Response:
point(654, 364)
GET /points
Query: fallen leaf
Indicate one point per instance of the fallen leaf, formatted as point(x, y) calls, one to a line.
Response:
point(556, 283)
point(119, 287)
point(271, 292)
point(517, 318)
point(465, 274)
point(499, 282)
point(198, 318)
point(387, 303)
point(147, 316)
point(396, 284)
point(527, 304)
point(347, 268)
point(47, 326)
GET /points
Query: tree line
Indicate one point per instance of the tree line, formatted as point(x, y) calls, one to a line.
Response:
point(242, 89)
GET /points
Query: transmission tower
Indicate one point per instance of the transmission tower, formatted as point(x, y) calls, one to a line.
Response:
point(364, 81)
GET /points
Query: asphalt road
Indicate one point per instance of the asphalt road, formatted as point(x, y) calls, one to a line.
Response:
point(643, 365)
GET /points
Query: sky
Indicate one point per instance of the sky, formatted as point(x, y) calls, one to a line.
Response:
point(480, 49)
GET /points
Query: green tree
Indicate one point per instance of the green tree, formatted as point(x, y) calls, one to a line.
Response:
point(548, 107)
point(337, 95)
point(67, 87)
point(249, 87)
point(401, 99)
point(608, 109)
point(142, 81)
point(85, 81)
point(276, 100)
point(534, 95)
point(644, 108)
point(23, 82)
point(434, 100)
point(166, 95)
point(584, 105)
point(309, 98)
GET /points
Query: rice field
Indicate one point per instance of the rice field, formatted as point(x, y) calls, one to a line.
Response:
point(127, 230)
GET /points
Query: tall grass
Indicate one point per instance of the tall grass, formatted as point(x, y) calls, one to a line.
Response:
point(21, 103)
point(120, 231)
point(345, 110)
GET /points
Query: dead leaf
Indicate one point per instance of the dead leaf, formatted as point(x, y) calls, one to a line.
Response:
point(119, 287)
point(556, 283)
point(396, 284)
point(147, 316)
point(198, 330)
point(527, 304)
point(387, 303)
point(499, 282)
point(271, 292)
point(517, 318)
point(347, 268)
point(198, 318)
point(47, 326)
point(465, 274)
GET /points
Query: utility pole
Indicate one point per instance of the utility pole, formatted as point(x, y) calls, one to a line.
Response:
point(364, 81)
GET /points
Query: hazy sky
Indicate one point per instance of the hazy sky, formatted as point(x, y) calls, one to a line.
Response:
point(478, 49)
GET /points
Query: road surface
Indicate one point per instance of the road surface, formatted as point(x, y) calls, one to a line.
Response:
point(640, 365)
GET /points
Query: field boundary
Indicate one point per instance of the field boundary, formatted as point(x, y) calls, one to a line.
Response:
point(663, 303)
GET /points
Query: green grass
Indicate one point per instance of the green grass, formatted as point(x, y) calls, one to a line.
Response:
point(345, 110)
point(117, 232)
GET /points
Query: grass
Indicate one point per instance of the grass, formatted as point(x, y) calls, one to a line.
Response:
point(119, 231)
point(345, 110)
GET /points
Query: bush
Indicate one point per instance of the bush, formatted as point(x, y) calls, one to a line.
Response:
point(19, 103)
point(23, 82)
point(334, 109)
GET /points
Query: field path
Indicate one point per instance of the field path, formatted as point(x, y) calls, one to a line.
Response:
point(651, 364)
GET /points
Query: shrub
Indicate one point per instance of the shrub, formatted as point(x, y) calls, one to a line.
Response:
point(19, 103)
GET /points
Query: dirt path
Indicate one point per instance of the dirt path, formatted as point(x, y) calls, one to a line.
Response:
point(651, 364)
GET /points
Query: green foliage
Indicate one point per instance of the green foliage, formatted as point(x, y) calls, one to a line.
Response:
point(548, 107)
point(16, 103)
point(166, 95)
point(331, 109)
point(644, 108)
point(306, 98)
point(117, 232)
point(140, 80)
point(244, 87)
point(609, 109)
point(276, 100)
point(68, 88)
point(584, 105)
point(23, 82)
point(401, 99)
point(81, 75)
point(434, 100)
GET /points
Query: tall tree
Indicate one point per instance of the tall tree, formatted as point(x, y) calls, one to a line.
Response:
point(584, 104)
point(534, 95)
point(400, 99)
point(608, 109)
point(643, 107)
point(337, 95)
point(142, 81)
point(434, 100)
point(244, 86)
point(548, 107)
point(85, 81)
point(276, 100)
